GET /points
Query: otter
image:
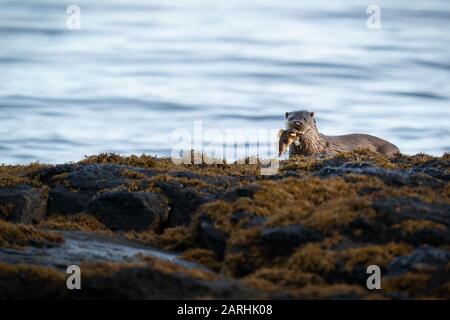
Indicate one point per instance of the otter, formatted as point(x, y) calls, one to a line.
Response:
point(308, 141)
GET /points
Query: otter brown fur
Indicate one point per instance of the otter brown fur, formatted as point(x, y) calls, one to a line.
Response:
point(310, 142)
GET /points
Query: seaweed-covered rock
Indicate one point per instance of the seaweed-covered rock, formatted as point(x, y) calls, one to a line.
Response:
point(22, 203)
point(383, 229)
point(157, 280)
point(46, 174)
point(239, 192)
point(121, 210)
point(281, 241)
point(246, 219)
point(183, 202)
point(19, 236)
point(96, 177)
point(309, 231)
point(421, 259)
point(209, 237)
point(437, 168)
point(396, 209)
point(389, 176)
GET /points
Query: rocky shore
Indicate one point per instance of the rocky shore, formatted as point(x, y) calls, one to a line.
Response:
point(143, 227)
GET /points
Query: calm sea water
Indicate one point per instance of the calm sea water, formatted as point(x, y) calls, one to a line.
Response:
point(138, 70)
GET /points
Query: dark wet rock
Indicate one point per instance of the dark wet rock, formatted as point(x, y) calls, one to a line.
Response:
point(183, 202)
point(22, 204)
point(390, 177)
point(434, 237)
point(81, 247)
point(348, 168)
point(433, 172)
point(64, 201)
point(241, 215)
point(419, 180)
point(291, 173)
point(282, 241)
point(240, 192)
point(396, 209)
point(338, 166)
point(247, 219)
point(243, 266)
point(139, 282)
point(375, 230)
point(438, 169)
point(96, 177)
point(185, 174)
point(275, 177)
point(46, 174)
point(102, 176)
point(121, 210)
point(220, 181)
point(379, 230)
point(423, 258)
point(145, 283)
point(185, 199)
point(209, 237)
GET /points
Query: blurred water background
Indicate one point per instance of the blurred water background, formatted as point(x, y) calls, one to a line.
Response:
point(137, 70)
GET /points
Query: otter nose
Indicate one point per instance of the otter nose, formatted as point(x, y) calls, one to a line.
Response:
point(298, 122)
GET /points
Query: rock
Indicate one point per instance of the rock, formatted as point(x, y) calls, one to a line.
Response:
point(129, 282)
point(64, 201)
point(335, 168)
point(249, 219)
point(148, 283)
point(438, 169)
point(96, 177)
point(434, 237)
point(396, 209)
point(374, 230)
point(46, 174)
point(240, 192)
point(183, 202)
point(102, 176)
point(184, 199)
point(210, 238)
point(291, 173)
point(121, 210)
point(281, 241)
point(242, 266)
point(390, 177)
point(420, 259)
point(244, 234)
point(215, 180)
point(23, 204)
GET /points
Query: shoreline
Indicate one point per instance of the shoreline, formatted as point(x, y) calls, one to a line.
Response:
point(307, 232)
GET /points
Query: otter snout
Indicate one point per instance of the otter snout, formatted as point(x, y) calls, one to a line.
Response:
point(296, 124)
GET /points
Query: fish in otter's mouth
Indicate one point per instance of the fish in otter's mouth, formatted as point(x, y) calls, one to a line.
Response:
point(286, 138)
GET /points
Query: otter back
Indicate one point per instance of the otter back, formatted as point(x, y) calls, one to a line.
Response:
point(309, 142)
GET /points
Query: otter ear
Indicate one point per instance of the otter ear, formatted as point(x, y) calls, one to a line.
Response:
point(286, 114)
point(311, 114)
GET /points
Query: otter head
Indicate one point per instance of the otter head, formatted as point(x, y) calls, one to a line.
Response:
point(301, 121)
